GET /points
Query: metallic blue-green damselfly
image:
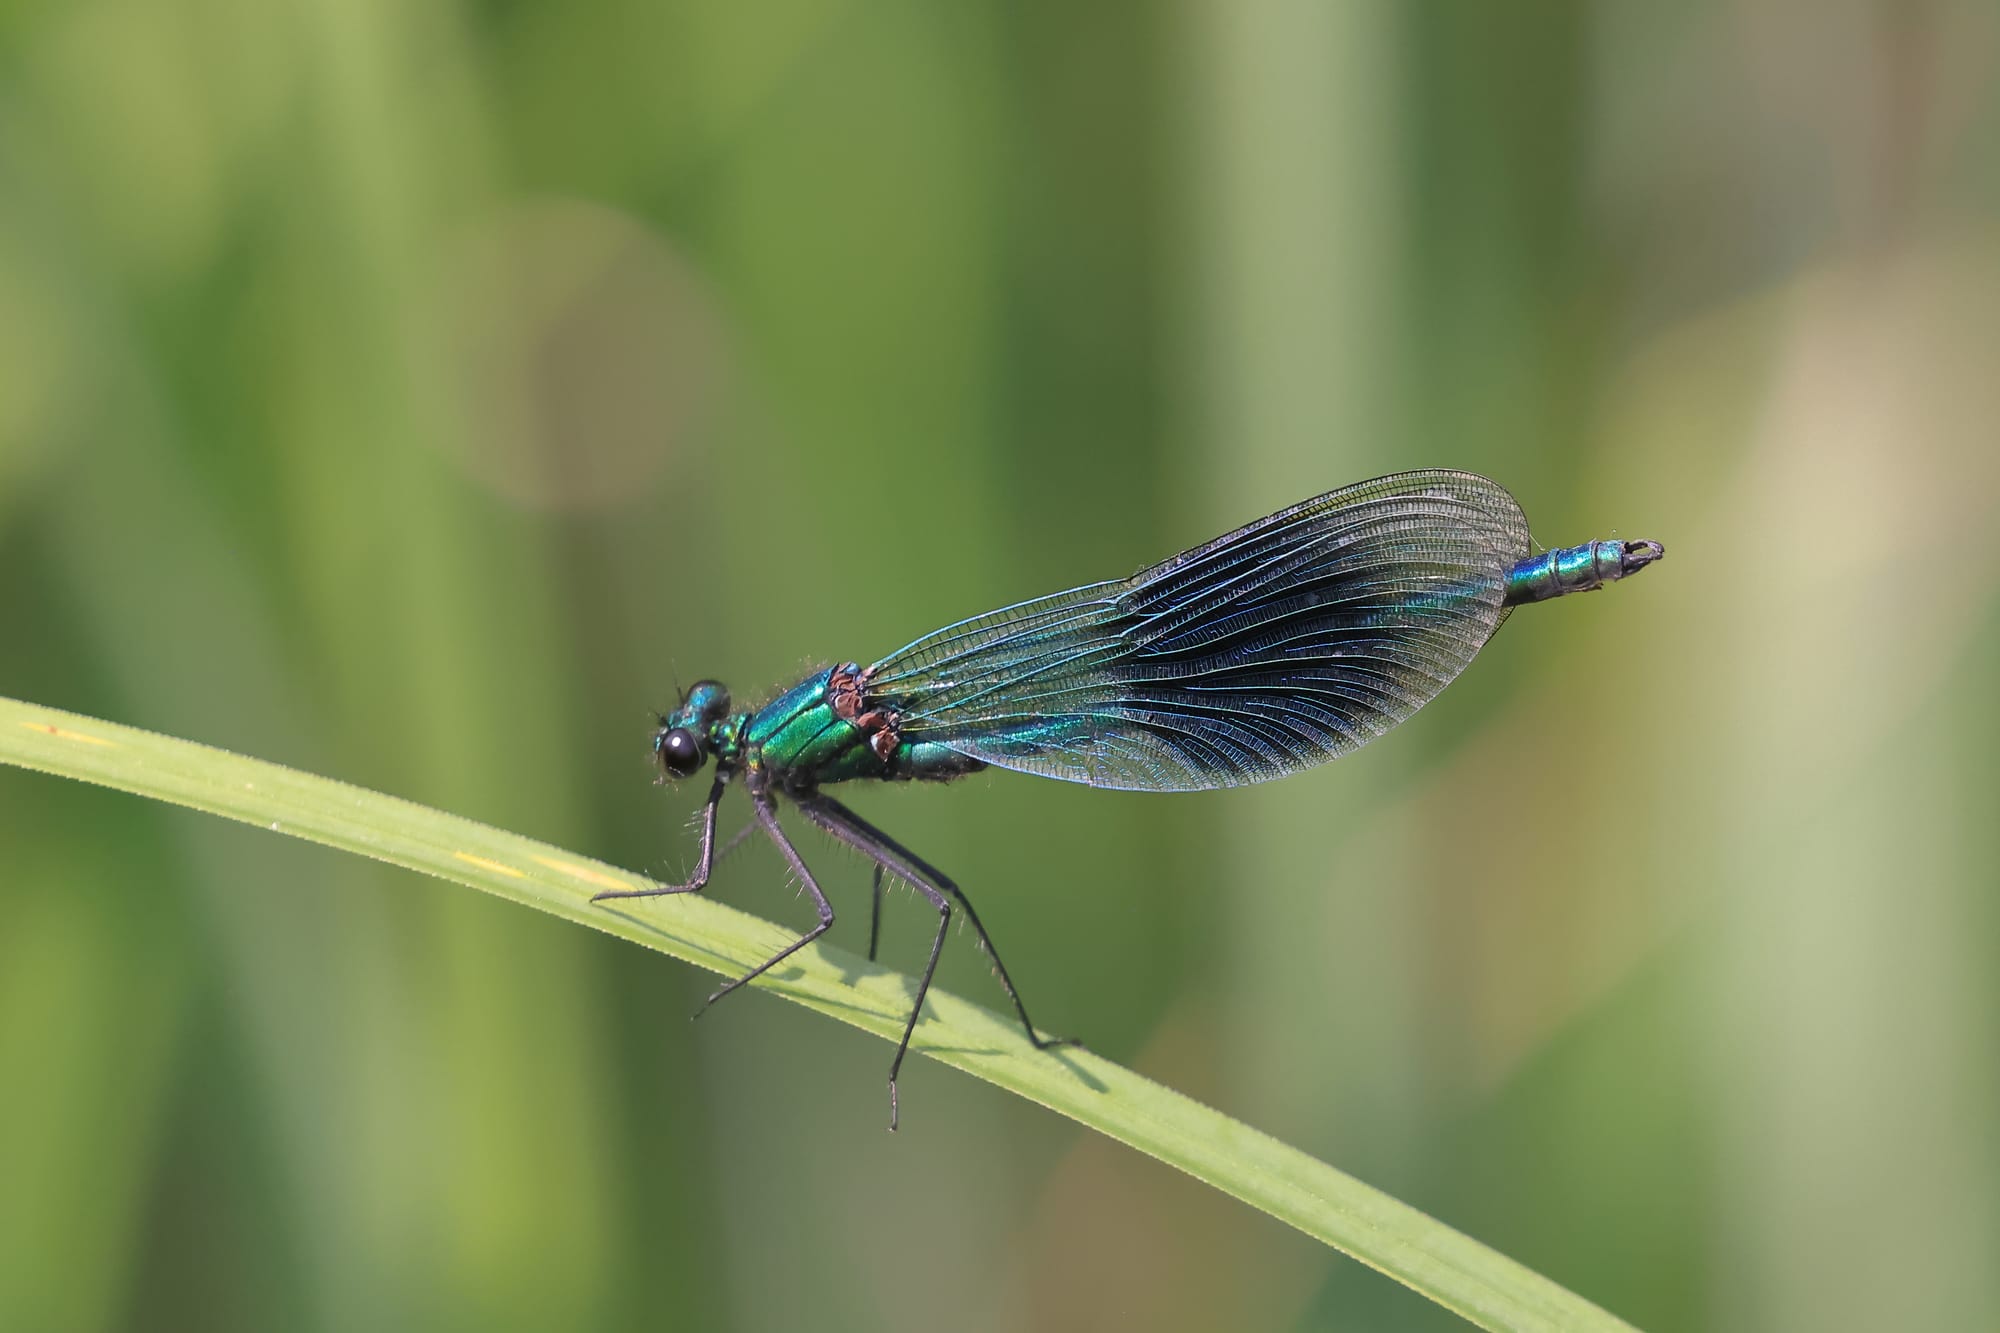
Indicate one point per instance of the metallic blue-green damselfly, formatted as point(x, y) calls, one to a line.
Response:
point(1271, 649)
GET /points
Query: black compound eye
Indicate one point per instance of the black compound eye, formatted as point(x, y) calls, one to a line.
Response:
point(679, 751)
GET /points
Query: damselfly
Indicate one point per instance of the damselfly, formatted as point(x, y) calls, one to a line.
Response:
point(1271, 649)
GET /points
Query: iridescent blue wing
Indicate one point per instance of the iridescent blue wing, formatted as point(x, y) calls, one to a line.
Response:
point(1278, 646)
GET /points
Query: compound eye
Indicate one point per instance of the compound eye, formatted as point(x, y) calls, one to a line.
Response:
point(679, 751)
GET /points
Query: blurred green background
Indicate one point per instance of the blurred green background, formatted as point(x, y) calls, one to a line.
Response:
point(419, 392)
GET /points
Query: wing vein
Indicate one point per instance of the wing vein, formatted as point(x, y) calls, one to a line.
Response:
point(1283, 644)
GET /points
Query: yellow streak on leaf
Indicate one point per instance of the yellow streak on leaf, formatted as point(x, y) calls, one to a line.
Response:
point(68, 735)
point(495, 866)
point(596, 877)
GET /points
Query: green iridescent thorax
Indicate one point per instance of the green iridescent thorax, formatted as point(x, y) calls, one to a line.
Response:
point(827, 728)
point(799, 733)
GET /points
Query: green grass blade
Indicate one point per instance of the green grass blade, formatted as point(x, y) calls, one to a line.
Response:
point(1451, 1269)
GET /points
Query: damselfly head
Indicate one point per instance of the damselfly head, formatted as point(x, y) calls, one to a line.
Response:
point(685, 736)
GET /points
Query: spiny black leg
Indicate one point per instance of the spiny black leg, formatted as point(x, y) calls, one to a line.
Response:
point(885, 851)
point(700, 880)
point(923, 988)
point(767, 815)
point(875, 914)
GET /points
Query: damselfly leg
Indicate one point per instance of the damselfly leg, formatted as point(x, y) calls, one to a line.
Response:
point(934, 884)
point(702, 867)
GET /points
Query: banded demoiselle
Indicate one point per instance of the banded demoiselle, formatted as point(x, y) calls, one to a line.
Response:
point(1273, 648)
